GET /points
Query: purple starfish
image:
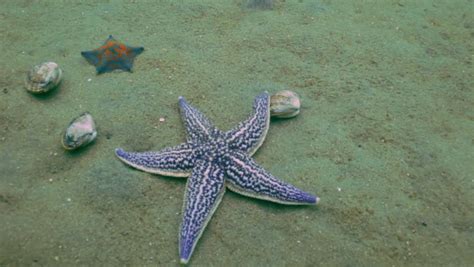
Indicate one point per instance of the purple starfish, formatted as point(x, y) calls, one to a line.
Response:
point(215, 160)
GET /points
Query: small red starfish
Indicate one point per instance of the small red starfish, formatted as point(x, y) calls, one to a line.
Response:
point(112, 55)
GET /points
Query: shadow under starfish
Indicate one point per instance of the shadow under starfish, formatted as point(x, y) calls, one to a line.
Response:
point(214, 160)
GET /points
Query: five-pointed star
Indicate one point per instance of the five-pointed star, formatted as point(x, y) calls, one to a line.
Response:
point(112, 55)
point(215, 160)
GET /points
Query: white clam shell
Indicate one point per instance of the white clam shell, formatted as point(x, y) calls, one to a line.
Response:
point(43, 78)
point(285, 104)
point(80, 132)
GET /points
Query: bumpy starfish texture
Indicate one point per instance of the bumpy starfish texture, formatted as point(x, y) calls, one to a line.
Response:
point(216, 160)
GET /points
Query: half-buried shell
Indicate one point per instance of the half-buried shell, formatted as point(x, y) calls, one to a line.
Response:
point(80, 132)
point(43, 78)
point(284, 104)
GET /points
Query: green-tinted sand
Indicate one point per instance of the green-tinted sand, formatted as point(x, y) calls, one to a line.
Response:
point(385, 135)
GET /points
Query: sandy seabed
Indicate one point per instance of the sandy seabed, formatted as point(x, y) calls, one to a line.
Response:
point(384, 138)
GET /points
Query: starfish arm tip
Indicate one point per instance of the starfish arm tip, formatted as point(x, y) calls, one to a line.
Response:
point(182, 102)
point(303, 198)
point(138, 50)
point(184, 252)
point(313, 200)
point(119, 152)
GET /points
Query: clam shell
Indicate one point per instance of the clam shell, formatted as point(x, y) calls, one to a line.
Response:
point(43, 78)
point(80, 132)
point(285, 104)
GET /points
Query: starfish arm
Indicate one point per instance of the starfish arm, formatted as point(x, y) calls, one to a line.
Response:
point(247, 178)
point(104, 67)
point(135, 51)
point(174, 161)
point(92, 56)
point(204, 192)
point(248, 136)
point(198, 127)
point(110, 38)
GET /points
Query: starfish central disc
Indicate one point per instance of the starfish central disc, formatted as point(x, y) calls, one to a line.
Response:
point(216, 150)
